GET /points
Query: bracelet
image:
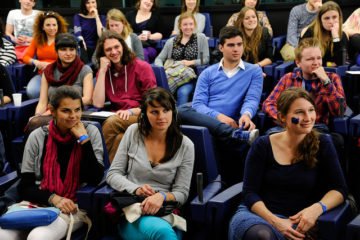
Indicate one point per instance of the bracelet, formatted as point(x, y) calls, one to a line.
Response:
point(326, 82)
point(164, 195)
point(32, 62)
point(51, 198)
point(82, 138)
point(131, 112)
point(323, 206)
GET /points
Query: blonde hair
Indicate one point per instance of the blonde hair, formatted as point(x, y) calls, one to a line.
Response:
point(116, 15)
point(306, 43)
point(181, 18)
point(319, 31)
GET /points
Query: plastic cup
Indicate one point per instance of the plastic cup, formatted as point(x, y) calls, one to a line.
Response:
point(17, 99)
point(146, 32)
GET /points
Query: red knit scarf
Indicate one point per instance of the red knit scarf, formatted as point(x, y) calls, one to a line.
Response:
point(51, 169)
point(69, 74)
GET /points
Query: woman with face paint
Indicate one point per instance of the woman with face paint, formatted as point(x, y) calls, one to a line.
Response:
point(291, 177)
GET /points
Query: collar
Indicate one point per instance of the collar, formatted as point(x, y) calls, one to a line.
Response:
point(241, 64)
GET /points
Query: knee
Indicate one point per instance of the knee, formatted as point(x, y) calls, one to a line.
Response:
point(111, 123)
point(163, 232)
point(157, 228)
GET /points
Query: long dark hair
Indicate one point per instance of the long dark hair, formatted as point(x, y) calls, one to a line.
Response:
point(2, 33)
point(83, 9)
point(127, 57)
point(309, 146)
point(173, 134)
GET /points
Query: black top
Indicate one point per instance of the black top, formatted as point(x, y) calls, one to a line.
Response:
point(338, 49)
point(265, 48)
point(287, 189)
point(5, 82)
point(153, 24)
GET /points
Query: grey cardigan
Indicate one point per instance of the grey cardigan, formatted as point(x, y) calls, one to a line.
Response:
point(131, 168)
point(34, 149)
point(203, 47)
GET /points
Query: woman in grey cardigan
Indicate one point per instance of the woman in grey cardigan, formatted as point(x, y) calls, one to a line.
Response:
point(189, 48)
point(154, 160)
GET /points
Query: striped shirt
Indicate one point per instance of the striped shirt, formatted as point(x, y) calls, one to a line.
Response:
point(7, 53)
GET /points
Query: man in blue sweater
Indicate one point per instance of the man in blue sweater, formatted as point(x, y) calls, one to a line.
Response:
point(227, 94)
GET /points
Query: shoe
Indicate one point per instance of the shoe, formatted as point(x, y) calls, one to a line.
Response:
point(246, 136)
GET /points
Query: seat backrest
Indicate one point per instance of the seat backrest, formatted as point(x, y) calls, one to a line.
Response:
point(161, 79)
point(208, 27)
point(106, 155)
point(205, 161)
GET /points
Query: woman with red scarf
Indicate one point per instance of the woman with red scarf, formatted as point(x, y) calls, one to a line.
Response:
point(67, 70)
point(57, 159)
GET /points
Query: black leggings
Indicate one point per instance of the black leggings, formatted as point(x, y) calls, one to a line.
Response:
point(259, 232)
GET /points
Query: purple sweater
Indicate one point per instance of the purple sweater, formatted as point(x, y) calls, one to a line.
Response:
point(86, 27)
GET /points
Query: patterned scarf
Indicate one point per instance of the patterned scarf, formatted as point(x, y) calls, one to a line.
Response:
point(69, 74)
point(52, 180)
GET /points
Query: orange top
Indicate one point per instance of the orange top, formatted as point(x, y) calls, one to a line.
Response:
point(46, 53)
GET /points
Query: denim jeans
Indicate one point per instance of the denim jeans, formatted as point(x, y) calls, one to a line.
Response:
point(190, 116)
point(183, 93)
point(33, 87)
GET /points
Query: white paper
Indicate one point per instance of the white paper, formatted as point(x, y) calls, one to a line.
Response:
point(102, 114)
point(353, 72)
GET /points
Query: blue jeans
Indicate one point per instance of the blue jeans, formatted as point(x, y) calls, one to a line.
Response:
point(190, 116)
point(33, 87)
point(148, 227)
point(183, 93)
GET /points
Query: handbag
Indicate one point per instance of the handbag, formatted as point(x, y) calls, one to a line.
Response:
point(120, 200)
point(25, 215)
point(178, 74)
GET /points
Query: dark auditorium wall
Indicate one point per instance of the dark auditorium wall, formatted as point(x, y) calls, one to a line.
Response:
point(277, 13)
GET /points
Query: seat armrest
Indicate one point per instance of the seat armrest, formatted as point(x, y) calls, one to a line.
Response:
point(332, 224)
point(220, 206)
point(198, 209)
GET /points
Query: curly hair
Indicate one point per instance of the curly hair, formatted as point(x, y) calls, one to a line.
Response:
point(319, 32)
point(309, 146)
point(165, 99)
point(184, 7)
point(127, 57)
point(251, 43)
point(153, 8)
point(116, 15)
point(39, 33)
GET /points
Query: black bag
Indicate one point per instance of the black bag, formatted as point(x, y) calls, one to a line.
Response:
point(119, 200)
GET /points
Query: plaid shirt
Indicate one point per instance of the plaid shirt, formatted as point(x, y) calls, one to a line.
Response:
point(325, 97)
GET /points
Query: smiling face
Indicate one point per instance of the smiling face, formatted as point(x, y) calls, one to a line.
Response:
point(113, 50)
point(187, 26)
point(50, 27)
point(146, 5)
point(67, 114)
point(311, 59)
point(303, 110)
point(116, 26)
point(27, 4)
point(329, 19)
point(159, 117)
point(250, 20)
point(190, 5)
point(250, 3)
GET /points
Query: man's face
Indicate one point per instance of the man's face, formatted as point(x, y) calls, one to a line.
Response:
point(113, 50)
point(232, 49)
point(311, 59)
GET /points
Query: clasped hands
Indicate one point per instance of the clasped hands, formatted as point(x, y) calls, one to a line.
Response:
point(304, 221)
point(153, 200)
point(244, 121)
